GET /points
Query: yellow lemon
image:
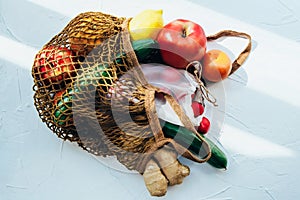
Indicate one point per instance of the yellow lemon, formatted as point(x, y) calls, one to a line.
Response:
point(146, 24)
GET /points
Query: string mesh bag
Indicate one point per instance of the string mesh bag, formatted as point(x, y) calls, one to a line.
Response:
point(75, 76)
point(77, 73)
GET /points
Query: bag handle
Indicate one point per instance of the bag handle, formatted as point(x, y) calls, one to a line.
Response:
point(238, 62)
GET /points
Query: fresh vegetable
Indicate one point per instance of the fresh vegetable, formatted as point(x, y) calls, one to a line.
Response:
point(182, 41)
point(155, 181)
point(216, 65)
point(188, 139)
point(198, 108)
point(146, 24)
point(168, 171)
point(174, 171)
point(147, 51)
point(218, 158)
point(54, 65)
point(204, 125)
point(63, 107)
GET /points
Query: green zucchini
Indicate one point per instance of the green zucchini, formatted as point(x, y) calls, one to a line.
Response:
point(147, 51)
point(63, 108)
point(188, 139)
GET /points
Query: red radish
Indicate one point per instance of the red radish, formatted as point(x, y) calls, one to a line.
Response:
point(204, 125)
point(197, 108)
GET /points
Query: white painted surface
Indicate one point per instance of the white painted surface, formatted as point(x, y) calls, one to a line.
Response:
point(260, 131)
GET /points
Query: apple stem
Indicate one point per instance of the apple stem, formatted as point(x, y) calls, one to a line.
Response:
point(184, 33)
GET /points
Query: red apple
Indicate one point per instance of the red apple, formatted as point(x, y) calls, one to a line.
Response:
point(182, 41)
point(54, 64)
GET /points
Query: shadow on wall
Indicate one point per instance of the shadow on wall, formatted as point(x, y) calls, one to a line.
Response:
point(258, 113)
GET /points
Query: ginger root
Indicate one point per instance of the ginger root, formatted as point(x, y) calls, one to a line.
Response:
point(155, 181)
point(163, 170)
point(171, 167)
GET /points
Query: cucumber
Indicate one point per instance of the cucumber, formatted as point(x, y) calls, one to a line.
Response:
point(146, 50)
point(188, 139)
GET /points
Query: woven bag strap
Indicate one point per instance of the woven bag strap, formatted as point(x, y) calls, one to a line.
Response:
point(237, 63)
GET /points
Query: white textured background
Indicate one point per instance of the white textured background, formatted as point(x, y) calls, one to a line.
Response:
point(262, 116)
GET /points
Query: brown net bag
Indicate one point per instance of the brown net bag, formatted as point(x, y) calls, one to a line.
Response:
point(77, 73)
point(75, 76)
